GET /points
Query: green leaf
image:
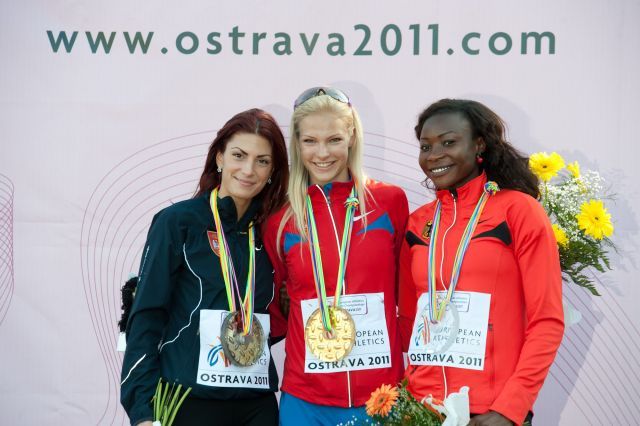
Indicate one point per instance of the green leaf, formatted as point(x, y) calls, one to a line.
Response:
point(156, 400)
point(167, 401)
point(177, 407)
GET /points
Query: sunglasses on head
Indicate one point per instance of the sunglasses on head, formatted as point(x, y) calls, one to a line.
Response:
point(336, 94)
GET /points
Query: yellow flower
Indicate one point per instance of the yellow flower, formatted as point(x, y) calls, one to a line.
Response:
point(546, 166)
point(595, 220)
point(574, 169)
point(561, 236)
point(382, 400)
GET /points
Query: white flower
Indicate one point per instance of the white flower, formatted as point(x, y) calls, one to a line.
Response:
point(455, 407)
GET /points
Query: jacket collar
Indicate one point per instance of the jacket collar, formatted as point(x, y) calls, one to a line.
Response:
point(229, 214)
point(467, 194)
point(332, 189)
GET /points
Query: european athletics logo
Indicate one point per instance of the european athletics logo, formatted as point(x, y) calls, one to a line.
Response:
point(216, 354)
point(422, 332)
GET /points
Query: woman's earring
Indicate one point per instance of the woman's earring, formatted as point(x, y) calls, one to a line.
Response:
point(269, 180)
point(219, 169)
point(479, 159)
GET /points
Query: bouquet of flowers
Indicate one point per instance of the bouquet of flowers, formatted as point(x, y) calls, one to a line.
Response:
point(166, 403)
point(395, 406)
point(581, 223)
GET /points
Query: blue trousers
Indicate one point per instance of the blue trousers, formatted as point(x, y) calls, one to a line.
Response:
point(295, 411)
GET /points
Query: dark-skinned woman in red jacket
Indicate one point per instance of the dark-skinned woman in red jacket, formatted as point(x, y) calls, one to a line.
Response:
point(480, 300)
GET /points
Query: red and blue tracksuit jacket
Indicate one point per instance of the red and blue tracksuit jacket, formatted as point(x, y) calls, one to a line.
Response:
point(371, 268)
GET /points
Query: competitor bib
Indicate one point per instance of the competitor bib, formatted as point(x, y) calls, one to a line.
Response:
point(459, 340)
point(213, 367)
point(371, 348)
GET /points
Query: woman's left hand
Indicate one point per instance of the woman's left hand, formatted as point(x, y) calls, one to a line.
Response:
point(490, 418)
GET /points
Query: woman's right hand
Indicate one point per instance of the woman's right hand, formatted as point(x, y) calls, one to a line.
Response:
point(145, 423)
point(284, 299)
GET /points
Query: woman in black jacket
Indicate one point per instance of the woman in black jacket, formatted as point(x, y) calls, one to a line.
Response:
point(199, 316)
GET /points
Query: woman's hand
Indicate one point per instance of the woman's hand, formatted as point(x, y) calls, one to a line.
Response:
point(490, 418)
point(145, 423)
point(284, 299)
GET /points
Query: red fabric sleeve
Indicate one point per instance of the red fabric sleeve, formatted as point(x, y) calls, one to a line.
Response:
point(537, 256)
point(278, 320)
point(400, 225)
point(407, 297)
point(402, 214)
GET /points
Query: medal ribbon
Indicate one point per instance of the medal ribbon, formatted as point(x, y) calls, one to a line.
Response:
point(436, 312)
point(316, 257)
point(229, 272)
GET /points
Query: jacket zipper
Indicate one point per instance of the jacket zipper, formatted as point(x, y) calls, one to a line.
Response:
point(454, 195)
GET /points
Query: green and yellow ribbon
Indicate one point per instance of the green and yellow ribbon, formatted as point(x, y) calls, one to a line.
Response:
point(229, 273)
point(351, 205)
point(436, 311)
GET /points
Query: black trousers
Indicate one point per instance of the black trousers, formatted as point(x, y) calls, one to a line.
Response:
point(262, 411)
point(528, 421)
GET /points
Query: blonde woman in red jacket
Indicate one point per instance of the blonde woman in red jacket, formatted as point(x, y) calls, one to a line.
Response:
point(485, 248)
point(336, 246)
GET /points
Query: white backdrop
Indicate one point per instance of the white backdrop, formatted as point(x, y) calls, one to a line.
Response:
point(91, 144)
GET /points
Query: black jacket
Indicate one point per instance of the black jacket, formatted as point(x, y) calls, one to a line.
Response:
point(179, 275)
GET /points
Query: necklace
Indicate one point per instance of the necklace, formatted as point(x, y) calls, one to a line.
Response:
point(436, 311)
point(242, 337)
point(330, 330)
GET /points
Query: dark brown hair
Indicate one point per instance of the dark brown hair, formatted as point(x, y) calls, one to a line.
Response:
point(259, 122)
point(502, 162)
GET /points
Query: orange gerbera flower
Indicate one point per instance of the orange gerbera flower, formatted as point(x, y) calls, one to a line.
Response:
point(382, 400)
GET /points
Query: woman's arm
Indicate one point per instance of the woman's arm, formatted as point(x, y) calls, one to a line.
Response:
point(537, 257)
point(149, 314)
point(407, 297)
point(278, 317)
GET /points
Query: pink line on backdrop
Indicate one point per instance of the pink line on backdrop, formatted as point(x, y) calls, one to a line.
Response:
point(7, 278)
point(622, 378)
point(608, 392)
point(570, 394)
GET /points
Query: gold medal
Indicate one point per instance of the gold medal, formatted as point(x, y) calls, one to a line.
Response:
point(241, 350)
point(334, 345)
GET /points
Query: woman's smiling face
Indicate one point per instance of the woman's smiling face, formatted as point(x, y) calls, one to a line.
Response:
point(448, 152)
point(324, 147)
point(246, 165)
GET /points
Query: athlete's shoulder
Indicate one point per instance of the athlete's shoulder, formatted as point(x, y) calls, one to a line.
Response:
point(185, 210)
point(383, 192)
point(272, 224)
point(421, 214)
point(379, 186)
point(510, 199)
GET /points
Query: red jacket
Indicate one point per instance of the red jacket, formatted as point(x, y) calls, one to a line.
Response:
point(371, 268)
point(513, 256)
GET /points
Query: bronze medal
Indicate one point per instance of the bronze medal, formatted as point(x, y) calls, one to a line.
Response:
point(240, 350)
point(330, 346)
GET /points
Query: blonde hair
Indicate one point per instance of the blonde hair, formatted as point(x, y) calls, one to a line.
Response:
point(299, 175)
